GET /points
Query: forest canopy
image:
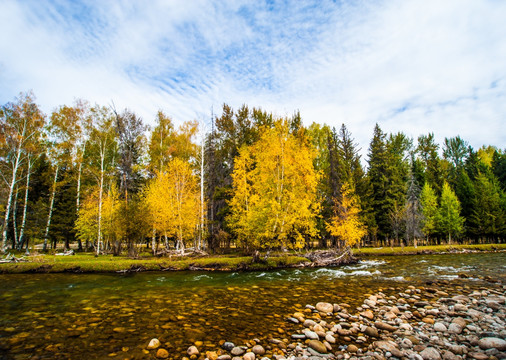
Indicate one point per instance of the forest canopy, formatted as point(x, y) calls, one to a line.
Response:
point(92, 177)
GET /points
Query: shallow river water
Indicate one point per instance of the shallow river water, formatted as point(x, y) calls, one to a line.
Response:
point(89, 316)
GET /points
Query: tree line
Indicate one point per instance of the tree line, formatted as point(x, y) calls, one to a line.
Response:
point(92, 176)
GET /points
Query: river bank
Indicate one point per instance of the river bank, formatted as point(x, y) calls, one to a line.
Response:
point(442, 320)
point(89, 263)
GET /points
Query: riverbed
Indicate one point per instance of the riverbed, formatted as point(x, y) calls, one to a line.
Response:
point(86, 316)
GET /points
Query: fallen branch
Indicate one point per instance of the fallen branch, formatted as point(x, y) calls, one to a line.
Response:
point(9, 258)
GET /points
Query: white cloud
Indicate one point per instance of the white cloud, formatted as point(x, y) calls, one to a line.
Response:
point(354, 62)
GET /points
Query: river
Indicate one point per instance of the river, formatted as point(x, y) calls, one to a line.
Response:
point(87, 316)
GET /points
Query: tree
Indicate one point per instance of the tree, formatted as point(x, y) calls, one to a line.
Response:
point(346, 223)
point(413, 213)
point(172, 202)
point(427, 149)
point(101, 157)
point(21, 125)
point(274, 193)
point(428, 203)
point(449, 220)
point(161, 143)
point(489, 217)
point(130, 138)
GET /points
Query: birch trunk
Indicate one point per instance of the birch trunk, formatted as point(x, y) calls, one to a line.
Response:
point(23, 222)
point(153, 241)
point(78, 196)
point(51, 204)
point(201, 233)
point(9, 199)
point(100, 193)
point(14, 218)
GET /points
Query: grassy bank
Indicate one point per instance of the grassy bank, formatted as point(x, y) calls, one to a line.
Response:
point(88, 263)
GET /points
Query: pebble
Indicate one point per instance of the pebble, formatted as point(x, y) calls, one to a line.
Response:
point(318, 346)
point(440, 327)
point(192, 350)
point(492, 343)
point(258, 350)
point(237, 351)
point(249, 356)
point(162, 354)
point(325, 307)
point(153, 344)
point(430, 353)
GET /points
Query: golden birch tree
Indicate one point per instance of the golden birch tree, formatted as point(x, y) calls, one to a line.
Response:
point(274, 191)
point(346, 223)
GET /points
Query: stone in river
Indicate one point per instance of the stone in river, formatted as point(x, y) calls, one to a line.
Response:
point(153, 344)
point(311, 335)
point(385, 345)
point(317, 346)
point(325, 307)
point(249, 356)
point(477, 355)
point(454, 328)
point(367, 314)
point(492, 343)
point(162, 354)
point(192, 350)
point(228, 346)
point(309, 323)
point(448, 355)
point(428, 320)
point(293, 320)
point(331, 339)
point(384, 326)
point(352, 348)
point(440, 327)
point(370, 331)
point(237, 351)
point(224, 357)
point(212, 355)
point(258, 350)
point(460, 307)
point(430, 353)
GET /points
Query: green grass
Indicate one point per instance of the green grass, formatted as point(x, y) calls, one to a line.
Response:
point(431, 248)
point(86, 262)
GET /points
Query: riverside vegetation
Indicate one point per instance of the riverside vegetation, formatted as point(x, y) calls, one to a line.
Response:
point(99, 178)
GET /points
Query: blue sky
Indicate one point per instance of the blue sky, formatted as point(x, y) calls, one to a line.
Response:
point(411, 65)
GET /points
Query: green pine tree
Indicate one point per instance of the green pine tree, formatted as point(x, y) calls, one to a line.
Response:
point(449, 220)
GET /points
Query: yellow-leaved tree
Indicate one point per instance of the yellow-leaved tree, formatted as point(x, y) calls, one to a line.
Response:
point(274, 191)
point(172, 201)
point(346, 224)
point(112, 226)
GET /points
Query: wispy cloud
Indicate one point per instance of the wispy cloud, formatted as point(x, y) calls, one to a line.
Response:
point(412, 66)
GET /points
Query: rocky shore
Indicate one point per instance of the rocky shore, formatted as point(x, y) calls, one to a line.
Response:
point(418, 323)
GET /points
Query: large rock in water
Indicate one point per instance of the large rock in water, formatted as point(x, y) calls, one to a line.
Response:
point(258, 350)
point(325, 307)
point(317, 346)
point(492, 343)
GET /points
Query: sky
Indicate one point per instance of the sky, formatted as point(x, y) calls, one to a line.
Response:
point(415, 66)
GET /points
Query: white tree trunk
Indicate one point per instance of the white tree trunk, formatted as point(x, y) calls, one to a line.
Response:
point(9, 200)
point(51, 204)
point(100, 193)
point(23, 222)
point(201, 233)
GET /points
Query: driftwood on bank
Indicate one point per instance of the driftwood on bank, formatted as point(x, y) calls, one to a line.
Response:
point(185, 252)
point(9, 258)
point(330, 258)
